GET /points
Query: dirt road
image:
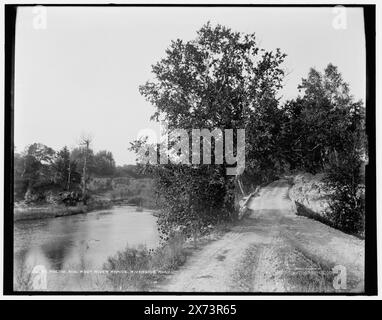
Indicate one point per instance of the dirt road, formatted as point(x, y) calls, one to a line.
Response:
point(273, 250)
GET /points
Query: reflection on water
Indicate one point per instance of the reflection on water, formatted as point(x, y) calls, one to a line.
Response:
point(82, 241)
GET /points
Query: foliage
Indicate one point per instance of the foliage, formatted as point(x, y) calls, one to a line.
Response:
point(325, 132)
point(322, 122)
point(222, 79)
point(126, 268)
point(20, 183)
point(38, 168)
point(44, 175)
point(139, 268)
point(192, 198)
point(347, 206)
point(78, 154)
point(66, 170)
point(104, 164)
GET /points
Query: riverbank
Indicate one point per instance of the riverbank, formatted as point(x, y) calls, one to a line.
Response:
point(52, 211)
point(73, 249)
point(142, 269)
point(271, 250)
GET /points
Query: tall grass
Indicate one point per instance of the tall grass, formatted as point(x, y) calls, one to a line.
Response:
point(23, 279)
point(139, 269)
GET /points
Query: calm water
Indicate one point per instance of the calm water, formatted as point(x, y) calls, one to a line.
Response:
point(82, 241)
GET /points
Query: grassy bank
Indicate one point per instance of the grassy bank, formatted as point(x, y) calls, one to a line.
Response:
point(141, 269)
point(131, 269)
point(52, 211)
point(312, 199)
point(138, 269)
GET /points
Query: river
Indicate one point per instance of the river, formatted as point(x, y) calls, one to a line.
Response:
point(76, 243)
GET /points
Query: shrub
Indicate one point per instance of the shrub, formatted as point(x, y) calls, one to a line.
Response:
point(347, 203)
point(126, 269)
point(136, 269)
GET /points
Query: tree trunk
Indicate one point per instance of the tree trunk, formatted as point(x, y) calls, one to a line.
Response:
point(68, 182)
point(241, 186)
point(87, 142)
point(84, 181)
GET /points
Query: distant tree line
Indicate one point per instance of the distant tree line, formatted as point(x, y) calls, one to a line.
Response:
point(40, 170)
point(224, 80)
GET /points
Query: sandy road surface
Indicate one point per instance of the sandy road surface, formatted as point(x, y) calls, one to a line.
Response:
point(272, 250)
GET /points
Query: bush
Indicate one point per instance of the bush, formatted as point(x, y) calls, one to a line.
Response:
point(126, 269)
point(192, 198)
point(136, 269)
point(70, 198)
point(347, 212)
point(31, 197)
point(347, 203)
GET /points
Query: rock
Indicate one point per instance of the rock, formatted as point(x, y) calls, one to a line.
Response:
point(309, 190)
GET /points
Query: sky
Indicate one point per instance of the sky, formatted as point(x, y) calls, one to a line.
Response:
point(80, 73)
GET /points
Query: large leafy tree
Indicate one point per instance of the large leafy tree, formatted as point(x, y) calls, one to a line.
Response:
point(324, 131)
point(66, 174)
point(215, 81)
point(38, 159)
point(324, 122)
point(221, 79)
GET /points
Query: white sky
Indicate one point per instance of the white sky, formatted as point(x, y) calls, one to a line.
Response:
point(81, 73)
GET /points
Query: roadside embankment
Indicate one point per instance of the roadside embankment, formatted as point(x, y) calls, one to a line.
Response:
point(309, 195)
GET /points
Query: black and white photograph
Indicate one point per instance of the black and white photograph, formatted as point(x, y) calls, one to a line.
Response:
point(190, 149)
